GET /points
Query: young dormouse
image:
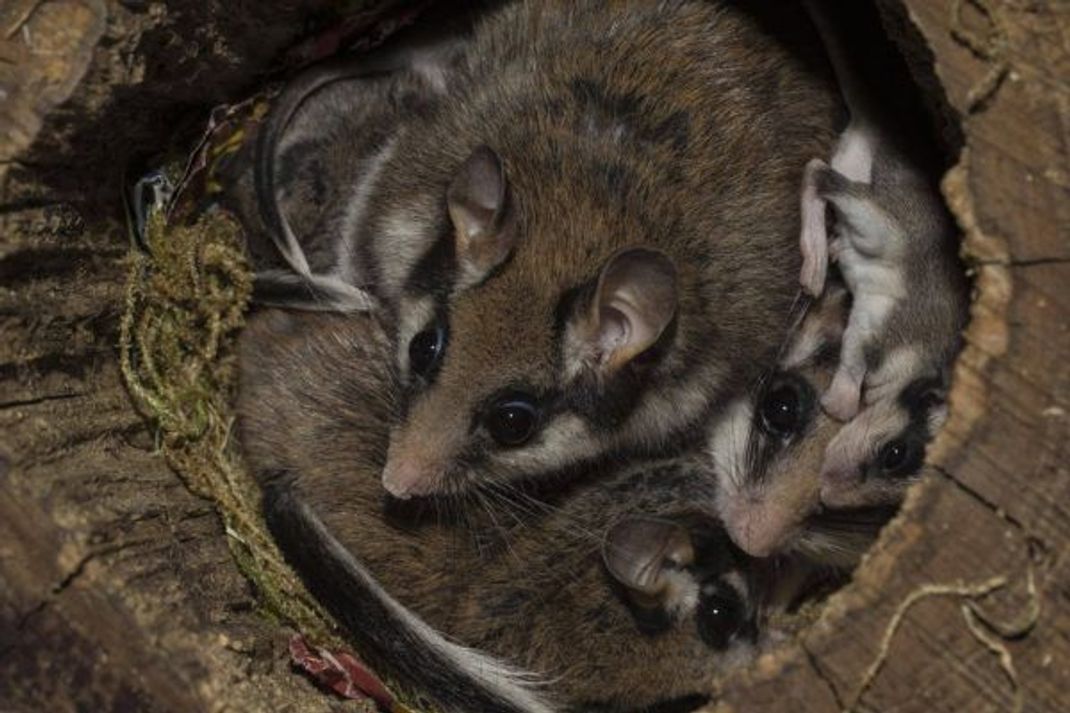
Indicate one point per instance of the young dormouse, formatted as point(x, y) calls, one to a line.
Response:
point(674, 571)
point(677, 609)
point(316, 440)
point(587, 240)
point(897, 251)
point(772, 449)
point(564, 587)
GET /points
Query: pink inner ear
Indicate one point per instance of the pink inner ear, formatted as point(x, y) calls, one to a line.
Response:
point(637, 551)
point(613, 332)
point(476, 196)
point(634, 301)
point(476, 200)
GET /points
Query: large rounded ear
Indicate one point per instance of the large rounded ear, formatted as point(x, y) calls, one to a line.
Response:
point(476, 200)
point(634, 302)
point(641, 552)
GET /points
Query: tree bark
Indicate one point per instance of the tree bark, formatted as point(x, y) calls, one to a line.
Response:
point(995, 505)
point(117, 590)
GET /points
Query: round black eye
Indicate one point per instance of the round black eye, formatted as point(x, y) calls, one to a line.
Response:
point(426, 350)
point(899, 457)
point(512, 422)
point(781, 410)
point(720, 615)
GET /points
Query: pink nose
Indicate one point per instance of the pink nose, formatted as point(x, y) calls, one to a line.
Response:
point(759, 530)
point(761, 539)
point(839, 480)
point(404, 479)
point(837, 494)
point(835, 475)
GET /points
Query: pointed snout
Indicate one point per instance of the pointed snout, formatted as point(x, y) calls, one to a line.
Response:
point(758, 526)
point(411, 470)
point(833, 474)
point(405, 479)
point(840, 473)
point(759, 538)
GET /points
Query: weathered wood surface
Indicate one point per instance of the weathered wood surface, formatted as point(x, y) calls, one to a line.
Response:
point(998, 502)
point(116, 588)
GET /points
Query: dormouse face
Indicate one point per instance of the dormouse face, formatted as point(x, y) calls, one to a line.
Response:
point(768, 446)
point(881, 451)
point(767, 453)
point(672, 575)
point(791, 477)
point(513, 351)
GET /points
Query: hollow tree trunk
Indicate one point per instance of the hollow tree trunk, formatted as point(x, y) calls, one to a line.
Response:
point(117, 590)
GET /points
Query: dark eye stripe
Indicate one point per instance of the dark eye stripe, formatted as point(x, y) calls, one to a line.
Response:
point(436, 270)
point(902, 456)
point(921, 396)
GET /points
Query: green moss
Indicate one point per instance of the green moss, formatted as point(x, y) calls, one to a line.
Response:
point(186, 297)
point(185, 301)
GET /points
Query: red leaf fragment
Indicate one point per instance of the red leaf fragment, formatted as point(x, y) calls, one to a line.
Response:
point(339, 671)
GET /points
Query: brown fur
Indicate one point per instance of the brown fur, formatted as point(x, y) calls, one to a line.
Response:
point(679, 126)
point(771, 496)
point(534, 589)
point(768, 488)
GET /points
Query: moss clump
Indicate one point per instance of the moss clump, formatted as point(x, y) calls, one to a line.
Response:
point(186, 297)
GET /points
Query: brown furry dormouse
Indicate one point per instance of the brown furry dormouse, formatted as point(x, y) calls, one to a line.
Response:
point(618, 589)
point(768, 446)
point(587, 236)
point(896, 248)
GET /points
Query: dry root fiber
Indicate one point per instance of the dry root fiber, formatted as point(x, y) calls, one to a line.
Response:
point(992, 634)
point(186, 297)
point(185, 300)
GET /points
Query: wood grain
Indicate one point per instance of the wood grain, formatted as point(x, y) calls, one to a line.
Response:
point(997, 502)
point(116, 588)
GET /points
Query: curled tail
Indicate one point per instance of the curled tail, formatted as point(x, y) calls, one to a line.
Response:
point(319, 291)
point(859, 98)
point(456, 679)
point(267, 144)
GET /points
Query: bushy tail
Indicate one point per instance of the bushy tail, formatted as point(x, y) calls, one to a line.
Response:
point(456, 679)
point(826, 15)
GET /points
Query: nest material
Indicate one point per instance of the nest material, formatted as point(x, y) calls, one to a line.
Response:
point(185, 303)
point(186, 296)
